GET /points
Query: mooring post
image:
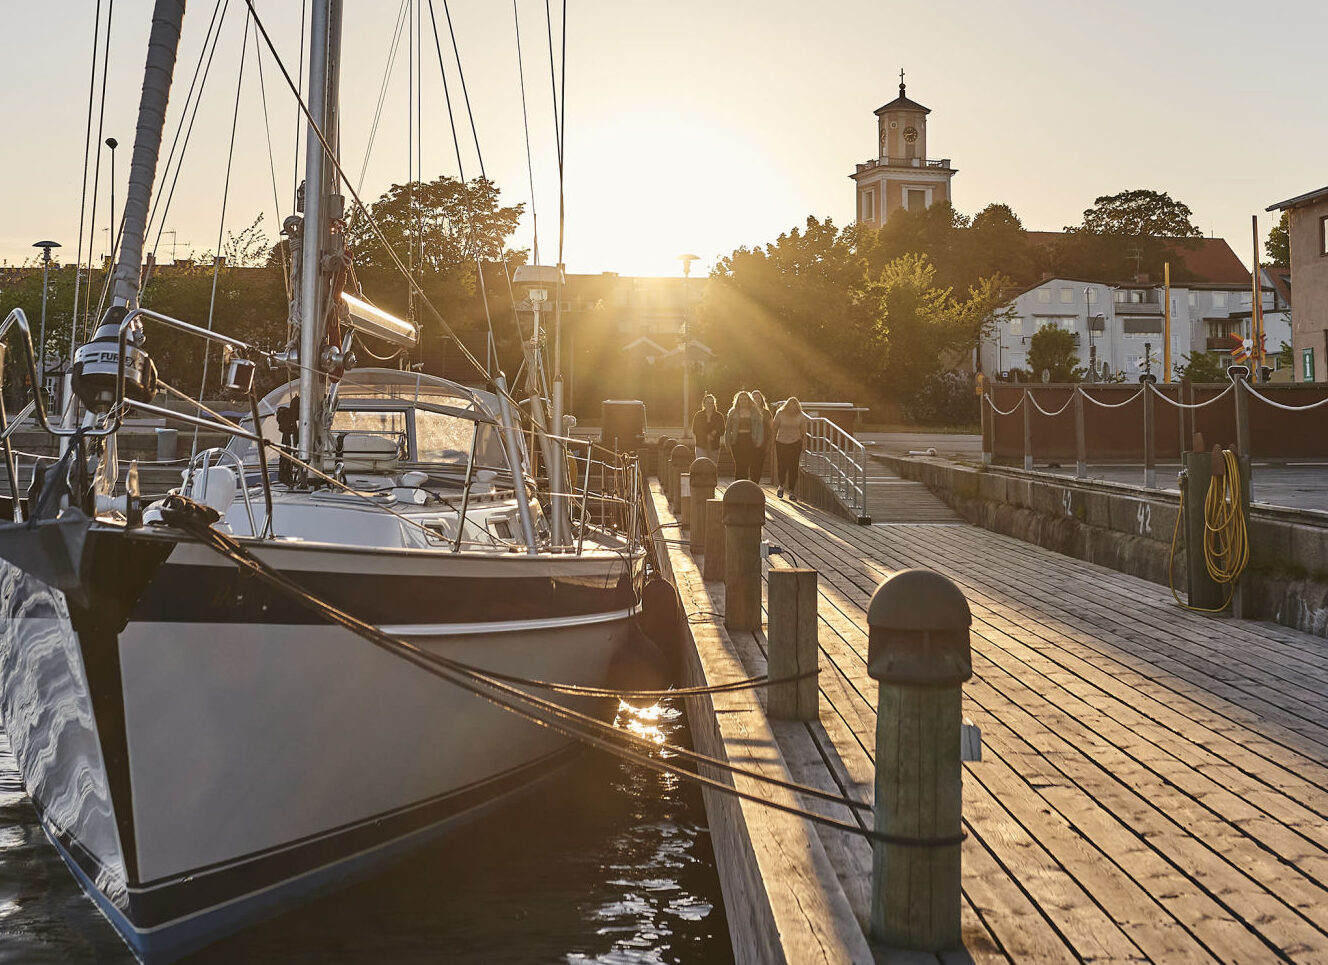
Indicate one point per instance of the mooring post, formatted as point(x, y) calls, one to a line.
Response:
point(1080, 442)
point(662, 454)
point(918, 649)
point(988, 426)
point(679, 460)
point(1028, 432)
point(685, 500)
point(703, 475)
point(1150, 467)
point(744, 515)
point(712, 568)
point(1242, 403)
point(793, 645)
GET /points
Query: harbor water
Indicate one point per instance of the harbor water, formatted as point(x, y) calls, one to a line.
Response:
point(608, 863)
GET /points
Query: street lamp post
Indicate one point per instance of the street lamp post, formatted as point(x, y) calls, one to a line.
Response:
point(46, 247)
point(683, 338)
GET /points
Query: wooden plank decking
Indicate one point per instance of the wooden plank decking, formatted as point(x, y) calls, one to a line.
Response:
point(1154, 783)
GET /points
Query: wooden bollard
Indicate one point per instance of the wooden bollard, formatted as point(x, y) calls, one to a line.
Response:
point(662, 454)
point(744, 515)
point(793, 645)
point(918, 649)
point(712, 568)
point(703, 477)
point(679, 460)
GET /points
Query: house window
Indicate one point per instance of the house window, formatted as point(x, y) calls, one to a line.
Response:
point(1091, 294)
point(1323, 235)
point(1067, 296)
point(1194, 299)
point(1016, 325)
point(1044, 295)
point(1219, 299)
point(1307, 365)
point(1246, 298)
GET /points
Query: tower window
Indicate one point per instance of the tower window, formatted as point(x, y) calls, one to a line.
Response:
point(868, 212)
point(915, 199)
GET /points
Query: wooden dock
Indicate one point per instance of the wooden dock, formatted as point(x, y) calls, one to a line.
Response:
point(1153, 783)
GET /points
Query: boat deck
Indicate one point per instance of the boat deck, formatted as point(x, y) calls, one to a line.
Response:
point(1153, 783)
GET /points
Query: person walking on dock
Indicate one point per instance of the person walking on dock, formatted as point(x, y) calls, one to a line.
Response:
point(789, 431)
point(744, 433)
point(708, 429)
point(762, 464)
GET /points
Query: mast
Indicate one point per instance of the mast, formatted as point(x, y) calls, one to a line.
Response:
point(324, 74)
point(163, 42)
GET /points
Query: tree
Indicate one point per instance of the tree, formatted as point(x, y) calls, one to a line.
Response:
point(1139, 212)
point(436, 225)
point(1054, 350)
point(1278, 245)
point(1201, 367)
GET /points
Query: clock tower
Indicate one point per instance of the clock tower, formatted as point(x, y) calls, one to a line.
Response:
point(901, 176)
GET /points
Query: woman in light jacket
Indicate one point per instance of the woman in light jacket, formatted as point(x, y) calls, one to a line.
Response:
point(763, 453)
point(790, 429)
point(744, 434)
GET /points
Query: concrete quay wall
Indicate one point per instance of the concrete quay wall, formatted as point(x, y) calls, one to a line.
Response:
point(1129, 529)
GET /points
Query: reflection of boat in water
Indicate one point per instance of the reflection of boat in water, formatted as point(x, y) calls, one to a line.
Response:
point(203, 748)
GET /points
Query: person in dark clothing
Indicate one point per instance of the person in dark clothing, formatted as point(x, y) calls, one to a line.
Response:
point(789, 431)
point(708, 429)
point(744, 433)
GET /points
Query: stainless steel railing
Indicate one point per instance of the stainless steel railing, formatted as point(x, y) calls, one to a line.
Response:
point(839, 460)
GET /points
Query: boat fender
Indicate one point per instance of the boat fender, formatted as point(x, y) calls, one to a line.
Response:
point(661, 621)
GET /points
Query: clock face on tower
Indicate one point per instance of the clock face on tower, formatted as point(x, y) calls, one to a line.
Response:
point(910, 134)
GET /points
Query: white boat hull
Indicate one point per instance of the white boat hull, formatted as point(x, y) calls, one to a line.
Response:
point(197, 774)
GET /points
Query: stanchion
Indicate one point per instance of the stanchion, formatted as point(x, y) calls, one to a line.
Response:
point(793, 645)
point(1028, 433)
point(703, 477)
point(744, 515)
point(918, 649)
point(1080, 441)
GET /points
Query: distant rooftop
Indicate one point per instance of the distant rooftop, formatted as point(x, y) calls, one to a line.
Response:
point(1209, 260)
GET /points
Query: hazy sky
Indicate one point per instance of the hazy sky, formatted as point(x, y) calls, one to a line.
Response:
point(701, 126)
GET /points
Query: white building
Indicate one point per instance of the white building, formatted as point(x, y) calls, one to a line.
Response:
point(1120, 325)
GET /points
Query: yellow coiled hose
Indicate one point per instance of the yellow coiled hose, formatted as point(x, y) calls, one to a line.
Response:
point(1226, 545)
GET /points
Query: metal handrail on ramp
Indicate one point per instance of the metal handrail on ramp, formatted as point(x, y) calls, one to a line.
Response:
point(839, 460)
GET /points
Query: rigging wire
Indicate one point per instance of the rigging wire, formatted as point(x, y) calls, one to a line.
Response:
point(465, 91)
point(525, 122)
point(355, 195)
point(217, 256)
point(179, 127)
point(188, 134)
point(299, 90)
point(96, 168)
point(83, 189)
point(382, 91)
point(272, 168)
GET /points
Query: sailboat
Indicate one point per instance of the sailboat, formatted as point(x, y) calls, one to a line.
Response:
point(202, 749)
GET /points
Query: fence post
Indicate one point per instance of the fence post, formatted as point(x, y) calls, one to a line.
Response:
point(1080, 442)
point(1150, 469)
point(703, 477)
point(793, 645)
point(1028, 432)
point(712, 567)
point(918, 650)
point(744, 515)
point(988, 422)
